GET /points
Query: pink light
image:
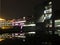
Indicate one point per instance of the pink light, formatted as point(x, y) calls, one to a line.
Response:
point(21, 24)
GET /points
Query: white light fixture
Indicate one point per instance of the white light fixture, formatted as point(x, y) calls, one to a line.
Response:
point(30, 25)
point(50, 10)
point(21, 36)
point(44, 18)
point(57, 20)
point(24, 18)
point(31, 32)
point(44, 11)
point(57, 25)
point(21, 21)
point(49, 16)
point(16, 33)
point(16, 24)
point(50, 2)
point(58, 30)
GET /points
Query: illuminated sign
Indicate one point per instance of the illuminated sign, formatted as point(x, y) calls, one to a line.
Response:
point(18, 23)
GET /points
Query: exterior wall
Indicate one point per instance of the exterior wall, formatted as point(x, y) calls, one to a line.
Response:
point(0, 7)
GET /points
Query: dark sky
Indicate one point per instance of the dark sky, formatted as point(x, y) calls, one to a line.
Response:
point(18, 8)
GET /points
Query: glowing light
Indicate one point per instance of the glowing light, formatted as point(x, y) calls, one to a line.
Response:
point(16, 33)
point(49, 16)
point(57, 20)
point(2, 19)
point(50, 2)
point(57, 25)
point(50, 25)
point(41, 19)
point(21, 21)
point(44, 18)
point(45, 12)
point(16, 24)
point(30, 25)
point(2, 39)
point(24, 18)
point(3, 27)
point(6, 27)
point(22, 36)
point(46, 7)
point(58, 30)
point(31, 32)
point(50, 9)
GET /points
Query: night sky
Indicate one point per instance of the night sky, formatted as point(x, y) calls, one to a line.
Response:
point(18, 8)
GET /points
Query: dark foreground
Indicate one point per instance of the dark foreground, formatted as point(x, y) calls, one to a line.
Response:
point(38, 39)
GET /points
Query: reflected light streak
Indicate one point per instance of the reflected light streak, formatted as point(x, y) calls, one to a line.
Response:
point(30, 25)
point(57, 20)
point(2, 19)
point(57, 25)
point(1, 40)
point(50, 2)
